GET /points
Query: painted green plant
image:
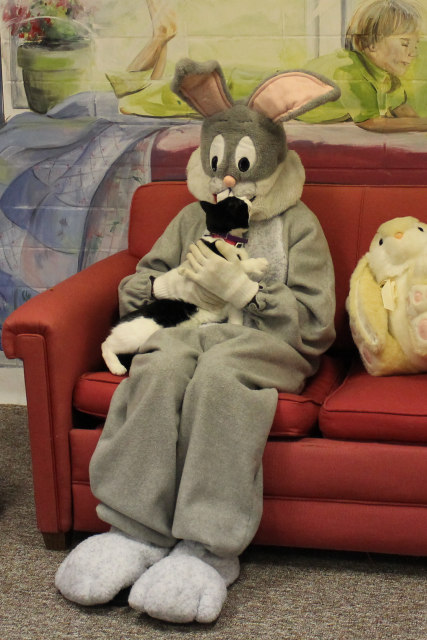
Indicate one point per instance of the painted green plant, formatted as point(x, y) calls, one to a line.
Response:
point(47, 21)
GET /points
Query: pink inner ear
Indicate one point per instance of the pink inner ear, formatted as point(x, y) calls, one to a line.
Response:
point(206, 93)
point(285, 93)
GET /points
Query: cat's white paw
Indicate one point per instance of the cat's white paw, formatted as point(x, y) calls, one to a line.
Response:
point(261, 265)
point(111, 359)
point(255, 266)
point(118, 370)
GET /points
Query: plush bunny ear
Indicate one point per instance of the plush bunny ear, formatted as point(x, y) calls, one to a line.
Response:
point(202, 86)
point(289, 94)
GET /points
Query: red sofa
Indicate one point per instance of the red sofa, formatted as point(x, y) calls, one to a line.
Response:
point(345, 465)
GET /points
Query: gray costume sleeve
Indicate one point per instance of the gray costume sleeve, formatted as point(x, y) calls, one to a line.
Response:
point(301, 310)
point(167, 253)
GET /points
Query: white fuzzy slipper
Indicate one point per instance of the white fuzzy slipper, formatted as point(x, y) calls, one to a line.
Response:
point(190, 584)
point(99, 567)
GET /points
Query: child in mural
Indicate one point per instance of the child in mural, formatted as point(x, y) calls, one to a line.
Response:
point(381, 45)
point(377, 73)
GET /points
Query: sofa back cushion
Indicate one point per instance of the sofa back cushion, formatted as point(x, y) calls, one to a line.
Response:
point(349, 215)
point(153, 207)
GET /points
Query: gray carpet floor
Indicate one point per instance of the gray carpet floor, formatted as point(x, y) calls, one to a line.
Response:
point(281, 593)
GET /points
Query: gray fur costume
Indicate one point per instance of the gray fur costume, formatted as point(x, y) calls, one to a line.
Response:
point(212, 392)
point(180, 455)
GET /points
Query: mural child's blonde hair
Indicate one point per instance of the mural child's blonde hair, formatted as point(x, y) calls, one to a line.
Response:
point(379, 19)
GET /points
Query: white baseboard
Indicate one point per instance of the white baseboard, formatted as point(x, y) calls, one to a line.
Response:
point(12, 386)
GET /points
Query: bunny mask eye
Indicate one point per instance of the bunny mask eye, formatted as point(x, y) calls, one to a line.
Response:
point(245, 155)
point(216, 152)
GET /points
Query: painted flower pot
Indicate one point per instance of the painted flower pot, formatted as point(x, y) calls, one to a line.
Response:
point(52, 73)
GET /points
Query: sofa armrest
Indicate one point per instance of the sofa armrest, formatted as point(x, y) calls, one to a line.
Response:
point(58, 335)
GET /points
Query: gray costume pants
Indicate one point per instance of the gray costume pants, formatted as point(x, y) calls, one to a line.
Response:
point(180, 454)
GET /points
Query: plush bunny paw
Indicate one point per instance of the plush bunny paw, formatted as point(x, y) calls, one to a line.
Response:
point(99, 567)
point(417, 300)
point(417, 316)
point(191, 584)
point(418, 333)
point(368, 352)
point(369, 358)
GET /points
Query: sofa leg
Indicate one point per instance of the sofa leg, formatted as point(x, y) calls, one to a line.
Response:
point(57, 541)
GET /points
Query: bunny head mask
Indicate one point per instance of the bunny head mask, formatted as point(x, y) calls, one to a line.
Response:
point(243, 144)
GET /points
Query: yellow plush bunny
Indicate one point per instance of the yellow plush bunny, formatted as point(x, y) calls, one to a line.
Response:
point(387, 303)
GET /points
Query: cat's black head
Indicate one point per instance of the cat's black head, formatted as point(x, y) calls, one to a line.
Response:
point(230, 213)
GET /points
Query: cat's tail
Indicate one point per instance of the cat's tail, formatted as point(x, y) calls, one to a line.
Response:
point(126, 337)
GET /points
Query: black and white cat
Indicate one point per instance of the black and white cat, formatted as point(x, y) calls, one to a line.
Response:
point(227, 220)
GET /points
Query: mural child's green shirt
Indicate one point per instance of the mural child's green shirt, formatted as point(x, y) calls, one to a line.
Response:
point(366, 91)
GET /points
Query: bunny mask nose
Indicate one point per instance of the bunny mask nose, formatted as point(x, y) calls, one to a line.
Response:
point(229, 182)
point(398, 235)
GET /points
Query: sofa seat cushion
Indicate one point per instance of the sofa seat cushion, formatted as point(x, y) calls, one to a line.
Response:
point(364, 407)
point(296, 415)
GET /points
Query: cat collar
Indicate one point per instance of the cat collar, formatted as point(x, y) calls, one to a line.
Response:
point(230, 239)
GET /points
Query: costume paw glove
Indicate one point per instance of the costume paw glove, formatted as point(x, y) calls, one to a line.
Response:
point(177, 287)
point(218, 275)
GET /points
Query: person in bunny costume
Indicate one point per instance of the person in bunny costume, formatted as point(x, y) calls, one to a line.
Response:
point(178, 466)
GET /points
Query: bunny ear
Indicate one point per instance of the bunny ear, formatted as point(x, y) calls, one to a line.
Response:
point(202, 86)
point(289, 94)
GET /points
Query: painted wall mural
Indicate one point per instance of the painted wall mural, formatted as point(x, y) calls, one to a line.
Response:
point(90, 116)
